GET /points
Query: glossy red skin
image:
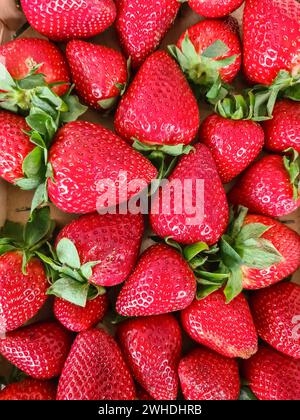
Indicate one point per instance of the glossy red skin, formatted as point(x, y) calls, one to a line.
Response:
point(21, 296)
point(234, 144)
point(226, 328)
point(197, 165)
point(272, 375)
point(271, 38)
point(77, 318)
point(96, 70)
point(159, 106)
point(206, 375)
point(95, 370)
point(283, 130)
point(162, 282)
point(69, 19)
point(214, 8)
point(14, 145)
point(152, 348)
point(143, 395)
point(287, 243)
point(265, 188)
point(29, 389)
point(276, 312)
point(39, 350)
point(141, 25)
point(113, 239)
point(206, 32)
point(105, 156)
point(21, 55)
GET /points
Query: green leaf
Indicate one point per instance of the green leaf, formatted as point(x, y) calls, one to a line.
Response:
point(260, 253)
point(38, 227)
point(108, 103)
point(87, 269)
point(95, 291)
point(229, 256)
point(6, 81)
point(216, 49)
point(33, 162)
point(32, 81)
point(37, 121)
point(171, 242)
point(28, 183)
point(75, 109)
point(40, 196)
point(206, 290)
point(70, 290)
point(246, 394)
point(67, 253)
point(292, 165)
point(72, 272)
point(6, 248)
point(12, 231)
point(251, 231)
point(48, 261)
point(234, 284)
point(191, 251)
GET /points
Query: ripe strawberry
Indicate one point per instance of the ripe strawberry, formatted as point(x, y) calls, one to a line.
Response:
point(224, 327)
point(70, 19)
point(269, 186)
point(234, 144)
point(95, 370)
point(272, 375)
point(162, 282)
point(152, 348)
point(143, 395)
point(205, 375)
point(39, 350)
point(159, 106)
point(22, 55)
point(276, 312)
point(189, 226)
point(283, 130)
point(76, 318)
point(99, 73)
point(80, 189)
point(142, 25)
point(271, 38)
point(214, 9)
point(29, 389)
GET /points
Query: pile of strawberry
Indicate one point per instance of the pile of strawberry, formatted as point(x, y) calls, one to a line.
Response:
point(222, 285)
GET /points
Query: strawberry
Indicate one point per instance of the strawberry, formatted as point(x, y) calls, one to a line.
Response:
point(23, 280)
point(95, 370)
point(269, 186)
point(276, 312)
point(205, 375)
point(159, 107)
point(214, 9)
point(272, 375)
point(141, 25)
point(143, 395)
point(152, 348)
point(29, 389)
point(192, 224)
point(21, 56)
point(283, 130)
point(76, 318)
point(70, 19)
point(224, 327)
point(271, 39)
point(39, 350)
point(99, 73)
point(162, 282)
point(106, 158)
point(234, 143)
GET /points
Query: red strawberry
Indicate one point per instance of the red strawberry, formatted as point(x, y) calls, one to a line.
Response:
point(268, 187)
point(224, 327)
point(205, 375)
point(22, 55)
point(276, 312)
point(271, 39)
point(70, 19)
point(152, 348)
point(234, 143)
point(76, 318)
point(162, 282)
point(142, 25)
point(14, 145)
point(95, 370)
point(283, 130)
point(39, 350)
point(272, 375)
point(159, 106)
point(78, 188)
point(99, 73)
point(189, 226)
point(215, 8)
point(143, 395)
point(29, 389)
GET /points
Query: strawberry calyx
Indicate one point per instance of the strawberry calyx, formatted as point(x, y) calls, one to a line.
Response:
point(203, 69)
point(291, 163)
point(68, 277)
point(30, 238)
point(246, 394)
